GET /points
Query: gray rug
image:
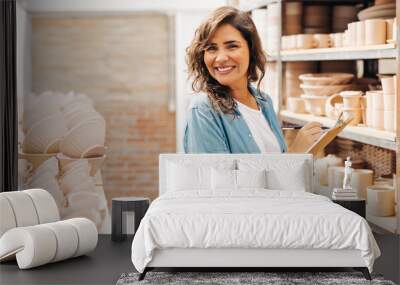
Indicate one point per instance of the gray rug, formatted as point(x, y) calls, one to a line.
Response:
point(243, 278)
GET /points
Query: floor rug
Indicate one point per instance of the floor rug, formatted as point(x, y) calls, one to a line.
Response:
point(244, 278)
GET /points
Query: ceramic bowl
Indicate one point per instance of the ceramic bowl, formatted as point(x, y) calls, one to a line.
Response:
point(315, 105)
point(95, 163)
point(324, 90)
point(44, 134)
point(85, 139)
point(326, 78)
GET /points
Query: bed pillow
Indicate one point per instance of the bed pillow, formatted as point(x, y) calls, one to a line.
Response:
point(193, 174)
point(223, 179)
point(282, 174)
point(188, 177)
point(251, 178)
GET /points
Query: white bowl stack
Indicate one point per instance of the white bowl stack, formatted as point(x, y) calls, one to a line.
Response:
point(64, 132)
point(318, 87)
point(291, 84)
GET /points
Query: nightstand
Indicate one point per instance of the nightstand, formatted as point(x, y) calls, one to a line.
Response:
point(138, 205)
point(356, 205)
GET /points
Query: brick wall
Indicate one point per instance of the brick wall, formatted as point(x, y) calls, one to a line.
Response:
point(121, 62)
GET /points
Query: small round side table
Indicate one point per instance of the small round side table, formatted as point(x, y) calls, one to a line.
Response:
point(138, 205)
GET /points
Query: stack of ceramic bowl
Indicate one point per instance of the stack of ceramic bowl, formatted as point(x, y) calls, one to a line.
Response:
point(389, 103)
point(83, 200)
point(375, 111)
point(292, 18)
point(352, 106)
point(291, 85)
point(317, 19)
point(341, 16)
point(384, 11)
point(318, 87)
point(45, 177)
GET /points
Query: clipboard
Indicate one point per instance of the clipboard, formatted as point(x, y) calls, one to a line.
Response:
point(327, 137)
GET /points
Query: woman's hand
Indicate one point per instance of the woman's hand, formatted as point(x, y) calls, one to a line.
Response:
point(306, 137)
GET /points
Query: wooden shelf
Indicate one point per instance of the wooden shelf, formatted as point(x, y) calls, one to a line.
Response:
point(343, 53)
point(385, 223)
point(362, 134)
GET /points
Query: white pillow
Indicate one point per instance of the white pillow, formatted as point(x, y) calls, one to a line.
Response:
point(226, 179)
point(188, 177)
point(282, 174)
point(251, 178)
point(223, 179)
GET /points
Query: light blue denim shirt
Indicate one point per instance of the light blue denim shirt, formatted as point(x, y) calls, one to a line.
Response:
point(211, 131)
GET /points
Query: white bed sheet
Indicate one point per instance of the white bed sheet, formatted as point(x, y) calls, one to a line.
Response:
point(252, 218)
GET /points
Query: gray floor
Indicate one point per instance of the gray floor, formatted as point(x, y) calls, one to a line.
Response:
point(110, 260)
point(103, 266)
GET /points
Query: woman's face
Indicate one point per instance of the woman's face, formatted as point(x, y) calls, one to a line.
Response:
point(227, 57)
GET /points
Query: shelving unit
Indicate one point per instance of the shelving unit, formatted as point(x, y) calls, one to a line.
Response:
point(383, 139)
point(362, 134)
point(343, 53)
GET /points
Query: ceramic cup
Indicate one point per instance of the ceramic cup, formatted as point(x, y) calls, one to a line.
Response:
point(375, 32)
point(351, 99)
point(360, 30)
point(389, 29)
point(388, 120)
point(305, 41)
point(322, 41)
point(388, 84)
point(377, 119)
point(389, 102)
point(352, 34)
point(380, 201)
point(336, 39)
point(354, 113)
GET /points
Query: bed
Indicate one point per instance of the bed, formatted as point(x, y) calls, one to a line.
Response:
point(245, 210)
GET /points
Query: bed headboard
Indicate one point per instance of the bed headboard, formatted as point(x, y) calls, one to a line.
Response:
point(205, 159)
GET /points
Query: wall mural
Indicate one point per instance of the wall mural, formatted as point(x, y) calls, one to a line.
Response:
point(62, 150)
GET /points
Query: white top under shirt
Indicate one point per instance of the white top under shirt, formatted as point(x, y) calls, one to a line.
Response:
point(260, 129)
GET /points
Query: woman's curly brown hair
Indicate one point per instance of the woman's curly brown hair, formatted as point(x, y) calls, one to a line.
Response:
point(218, 94)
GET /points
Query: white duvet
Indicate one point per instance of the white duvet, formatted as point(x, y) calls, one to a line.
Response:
point(250, 219)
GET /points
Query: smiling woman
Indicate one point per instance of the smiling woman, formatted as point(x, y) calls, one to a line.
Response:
point(230, 115)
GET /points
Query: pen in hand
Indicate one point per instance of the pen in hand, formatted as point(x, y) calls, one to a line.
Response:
point(299, 127)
